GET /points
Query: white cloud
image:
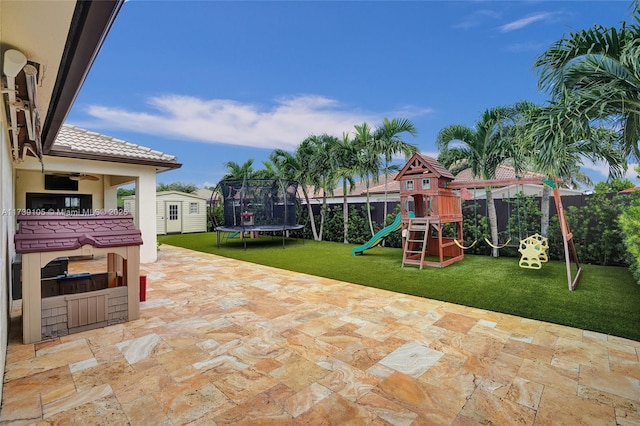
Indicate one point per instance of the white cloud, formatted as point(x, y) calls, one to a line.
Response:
point(283, 125)
point(523, 22)
point(631, 174)
point(602, 169)
point(476, 19)
point(433, 154)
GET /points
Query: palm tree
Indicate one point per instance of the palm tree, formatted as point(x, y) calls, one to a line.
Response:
point(388, 143)
point(368, 162)
point(320, 168)
point(295, 167)
point(557, 146)
point(290, 166)
point(482, 149)
point(269, 172)
point(344, 157)
point(239, 171)
point(594, 74)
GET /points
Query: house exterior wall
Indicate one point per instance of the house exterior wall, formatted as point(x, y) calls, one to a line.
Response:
point(7, 229)
point(33, 181)
point(191, 222)
point(111, 175)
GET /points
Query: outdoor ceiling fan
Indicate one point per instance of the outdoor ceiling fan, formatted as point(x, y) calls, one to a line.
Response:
point(78, 176)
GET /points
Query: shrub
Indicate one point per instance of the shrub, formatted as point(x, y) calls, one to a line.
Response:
point(394, 239)
point(630, 225)
point(359, 232)
point(596, 229)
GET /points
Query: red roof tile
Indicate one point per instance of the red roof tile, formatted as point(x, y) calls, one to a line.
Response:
point(502, 173)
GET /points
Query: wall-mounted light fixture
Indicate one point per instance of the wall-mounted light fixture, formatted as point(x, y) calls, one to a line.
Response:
point(14, 62)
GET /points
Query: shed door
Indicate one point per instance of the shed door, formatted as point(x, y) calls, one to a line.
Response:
point(173, 216)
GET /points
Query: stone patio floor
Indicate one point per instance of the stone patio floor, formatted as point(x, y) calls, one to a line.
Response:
point(221, 342)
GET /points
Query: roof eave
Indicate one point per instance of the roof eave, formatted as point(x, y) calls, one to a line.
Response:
point(138, 161)
point(90, 24)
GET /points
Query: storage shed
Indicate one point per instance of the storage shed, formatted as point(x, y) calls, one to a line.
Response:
point(176, 212)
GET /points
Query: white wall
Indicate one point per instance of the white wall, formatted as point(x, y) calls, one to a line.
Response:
point(191, 222)
point(145, 213)
point(104, 190)
point(7, 229)
point(33, 181)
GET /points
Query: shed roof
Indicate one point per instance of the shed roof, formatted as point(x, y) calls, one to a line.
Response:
point(75, 142)
point(179, 193)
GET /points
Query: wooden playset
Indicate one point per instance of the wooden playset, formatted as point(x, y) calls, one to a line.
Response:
point(431, 212)
point(425, 190)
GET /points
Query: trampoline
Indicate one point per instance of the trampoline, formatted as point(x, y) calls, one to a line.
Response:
point(253, 206)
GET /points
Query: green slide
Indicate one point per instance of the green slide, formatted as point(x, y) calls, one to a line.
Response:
point(376, 239)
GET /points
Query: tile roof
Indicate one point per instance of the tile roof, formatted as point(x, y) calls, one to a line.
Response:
point(73, 141)
point(374, 188)
point(393, 186)
point(629, 190)
point(502, 173)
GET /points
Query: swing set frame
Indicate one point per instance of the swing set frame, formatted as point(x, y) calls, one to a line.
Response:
point(567, 237)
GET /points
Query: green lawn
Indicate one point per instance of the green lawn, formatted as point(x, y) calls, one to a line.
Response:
point(606, 300)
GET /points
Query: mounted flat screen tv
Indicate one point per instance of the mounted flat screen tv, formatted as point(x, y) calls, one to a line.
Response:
point(60, 183)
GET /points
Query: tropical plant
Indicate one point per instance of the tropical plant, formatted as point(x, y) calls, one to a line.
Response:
point(613, 185)
point(482, 149)
point(296, 167)
point(593, 75)
point(344, 163)
point(270, 171)
point(387, 143)
point(630, 224)
point(368, 163)
point(189, 188)
point(320, 167)
point(539, 143)
point(239, 171)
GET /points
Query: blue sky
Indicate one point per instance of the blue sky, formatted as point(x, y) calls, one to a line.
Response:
point(218, 81)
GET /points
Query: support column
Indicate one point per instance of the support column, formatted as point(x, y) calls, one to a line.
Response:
point(145, 215)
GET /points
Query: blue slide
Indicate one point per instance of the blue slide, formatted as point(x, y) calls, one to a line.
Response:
point(380, 235)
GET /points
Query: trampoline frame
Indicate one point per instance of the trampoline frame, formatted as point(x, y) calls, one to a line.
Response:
point(256, 228)
point(250, 226)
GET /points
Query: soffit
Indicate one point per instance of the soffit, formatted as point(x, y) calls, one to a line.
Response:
point(38, 29)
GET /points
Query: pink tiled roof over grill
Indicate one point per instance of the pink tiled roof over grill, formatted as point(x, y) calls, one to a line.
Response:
point(81, 141)
point(56, 232)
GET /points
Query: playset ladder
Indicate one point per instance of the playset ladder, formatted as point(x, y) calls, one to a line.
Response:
point(415, 244)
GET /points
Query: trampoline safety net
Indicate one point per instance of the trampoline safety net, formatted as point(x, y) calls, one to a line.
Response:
point(269, 203)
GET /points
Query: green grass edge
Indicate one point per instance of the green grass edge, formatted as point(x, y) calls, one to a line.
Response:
point(607, 299)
